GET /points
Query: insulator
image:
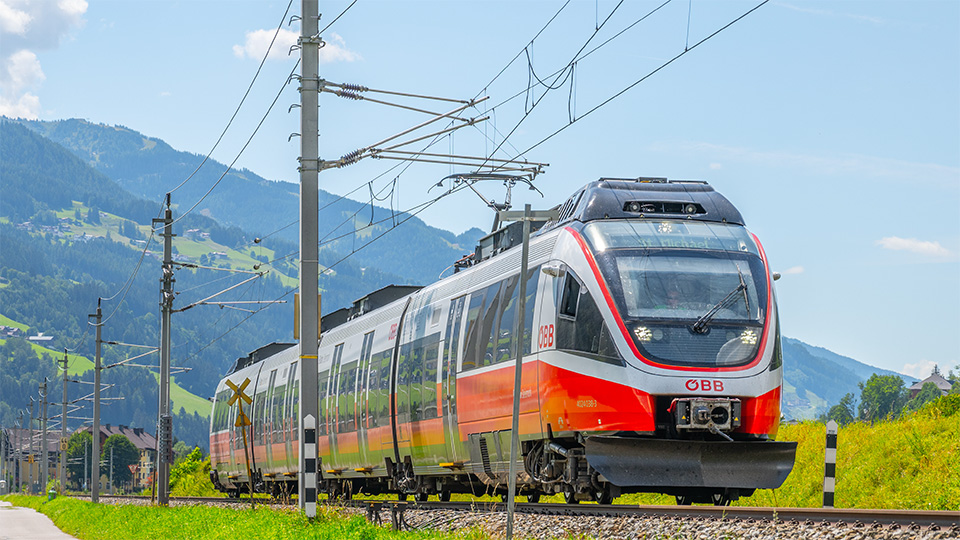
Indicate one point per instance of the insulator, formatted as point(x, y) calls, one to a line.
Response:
point(354, 87)
point(349, 95)
point(351, 158)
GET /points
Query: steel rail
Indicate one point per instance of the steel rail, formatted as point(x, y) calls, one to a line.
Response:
point(858, 517)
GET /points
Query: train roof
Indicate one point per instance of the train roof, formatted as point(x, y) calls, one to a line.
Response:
point(365, 304)
point(643, 198)
point(260, 354)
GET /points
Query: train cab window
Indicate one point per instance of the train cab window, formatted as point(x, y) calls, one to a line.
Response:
point(580, 325)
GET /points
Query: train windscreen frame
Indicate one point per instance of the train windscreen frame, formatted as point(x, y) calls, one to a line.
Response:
point(690, 293)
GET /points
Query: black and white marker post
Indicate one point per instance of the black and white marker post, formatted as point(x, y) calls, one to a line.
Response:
point(830, 465)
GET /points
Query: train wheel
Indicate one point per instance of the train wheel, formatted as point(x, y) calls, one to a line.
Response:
point(401, 497)
point(720, 499)
point(444, 496)
point(533, 498)
point(421, 497)
point(570, 497)
point(684, 500)
point(603, 496)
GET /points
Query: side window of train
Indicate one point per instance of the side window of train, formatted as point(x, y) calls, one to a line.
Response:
point(293, 404)
point(580, 325)
point(474, 309)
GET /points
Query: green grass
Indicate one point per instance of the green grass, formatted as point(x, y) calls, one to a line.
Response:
point(181, 397)
point(6, 321)
point(89, 521)
point(76, 364)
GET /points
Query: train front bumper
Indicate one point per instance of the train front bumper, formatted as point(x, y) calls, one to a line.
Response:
point(662, 463)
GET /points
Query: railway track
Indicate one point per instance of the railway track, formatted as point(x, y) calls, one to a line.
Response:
point(400, 511)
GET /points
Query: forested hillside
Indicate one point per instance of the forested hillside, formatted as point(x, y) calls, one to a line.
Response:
point(149, 167)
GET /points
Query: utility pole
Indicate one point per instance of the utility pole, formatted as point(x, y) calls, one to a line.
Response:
point(111, 470)
point(44, 447)
point(31, 453)
point(309, 252)
point(62, 469)
point(526, 216)
point(95, 472)
point(18, 469)
point(165, 420)
point(86, 460)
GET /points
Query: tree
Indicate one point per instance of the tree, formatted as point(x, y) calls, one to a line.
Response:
point(124, 455)
point(881, 397)
point(845, 412)
point(929, 392)
point(79, 447)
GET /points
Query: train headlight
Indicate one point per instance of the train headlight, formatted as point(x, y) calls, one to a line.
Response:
point(748, 337)
point(643, 333)
point(657, 334)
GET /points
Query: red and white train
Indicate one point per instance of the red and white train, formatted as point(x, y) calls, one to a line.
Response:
point(651, 363)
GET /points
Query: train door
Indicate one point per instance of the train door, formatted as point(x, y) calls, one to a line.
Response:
point(448, 387)
point(266, 427)
point(291, 409)
point(362, 400)
point(329, 409)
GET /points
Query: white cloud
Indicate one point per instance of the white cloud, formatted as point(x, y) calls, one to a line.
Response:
point(165, 94)
point(29, 26)
point(19, 73)
point(13, 20)
point(336, 51)
point(715, 166)
point(921, 370)
point(920, 247)
point(257, 42)
point(793, 270)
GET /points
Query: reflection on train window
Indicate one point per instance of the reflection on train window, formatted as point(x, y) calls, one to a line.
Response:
point(491, 321)
point(580, 325)
point(322, 379)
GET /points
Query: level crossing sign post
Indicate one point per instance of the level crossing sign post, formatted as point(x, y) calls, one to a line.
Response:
point(239, 396)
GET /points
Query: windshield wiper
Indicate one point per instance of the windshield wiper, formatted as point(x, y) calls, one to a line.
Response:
point(700, 326)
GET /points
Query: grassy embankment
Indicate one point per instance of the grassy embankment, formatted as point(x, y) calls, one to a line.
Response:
point(129, 522)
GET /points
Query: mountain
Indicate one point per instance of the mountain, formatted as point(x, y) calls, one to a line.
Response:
point(149, 168)
point(71, 235)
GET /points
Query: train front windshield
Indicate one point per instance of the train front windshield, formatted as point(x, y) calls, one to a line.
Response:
point(691, 293)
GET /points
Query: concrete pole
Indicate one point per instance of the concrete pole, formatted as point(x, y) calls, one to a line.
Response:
point(31, 452)
point(62, 468)
point(165, 419)
point(309, 253)
point(111, 470)
point(518, 372)
point(44, 447)
point(86, 461)
point(95, 432)
point(18, 470)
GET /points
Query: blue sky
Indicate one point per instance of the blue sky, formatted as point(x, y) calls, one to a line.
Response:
point(833, 126)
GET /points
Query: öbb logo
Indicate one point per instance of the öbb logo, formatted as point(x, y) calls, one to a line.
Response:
point(705, 385)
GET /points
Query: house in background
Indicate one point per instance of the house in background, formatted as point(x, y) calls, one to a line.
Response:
point(937, 379)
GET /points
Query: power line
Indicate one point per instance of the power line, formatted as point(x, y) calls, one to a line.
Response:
point(645, 77)
point(240, 153)
point(242, 100)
